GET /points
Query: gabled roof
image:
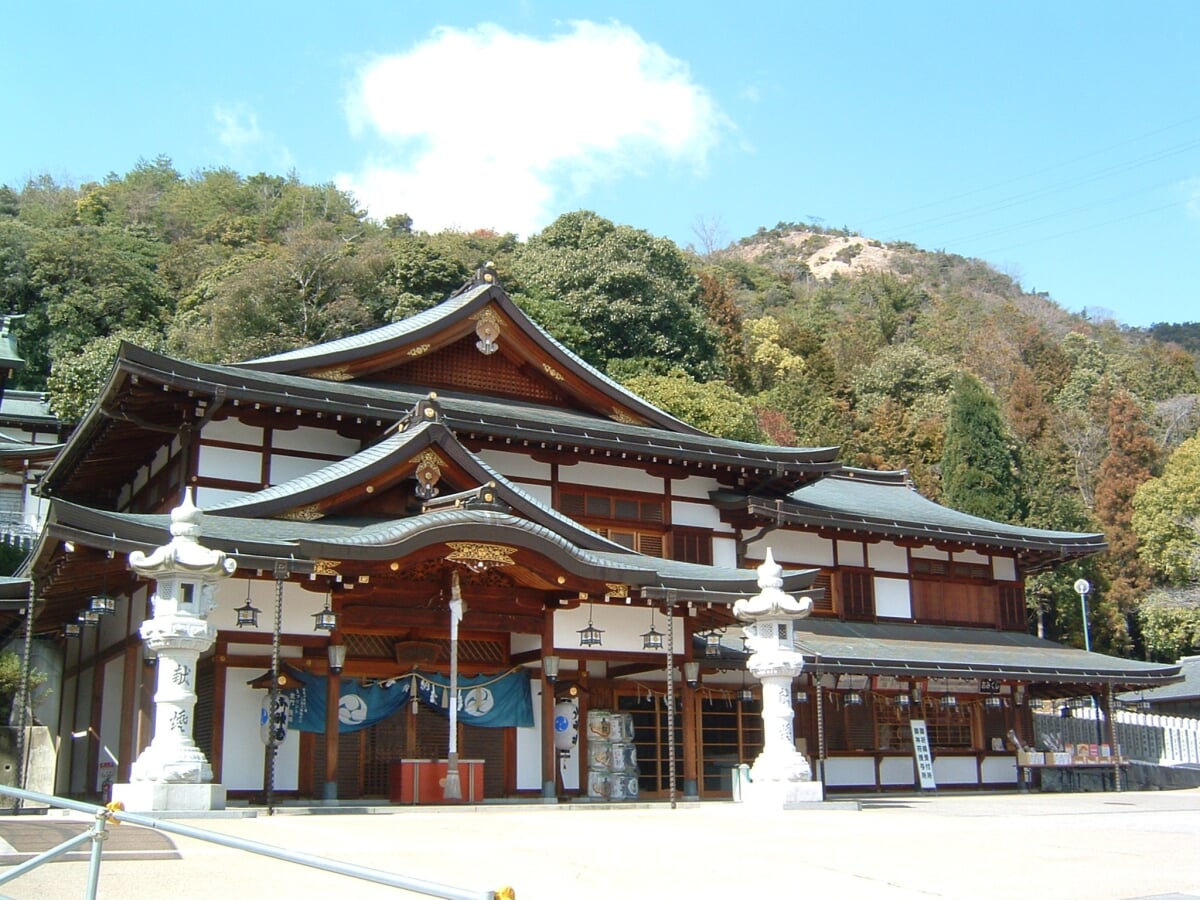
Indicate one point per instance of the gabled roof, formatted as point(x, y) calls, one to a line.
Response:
point(886, 504)
point(149, 394)
point(482, 308)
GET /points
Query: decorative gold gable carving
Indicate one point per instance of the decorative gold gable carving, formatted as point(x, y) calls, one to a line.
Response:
point(419, 350)
point(480, 556)
point(619, 415)
point(326, 566)
point(552, 372)
point(309, 513)
point(619, 591)
point(336, 374)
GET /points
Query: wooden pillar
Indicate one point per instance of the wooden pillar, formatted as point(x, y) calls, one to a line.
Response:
point(220, 681)
point(129, 701)
point(333, 692)
point(549, 756)
point(691, 735)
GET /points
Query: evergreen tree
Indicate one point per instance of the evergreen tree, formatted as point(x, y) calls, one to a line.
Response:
point(979, 472)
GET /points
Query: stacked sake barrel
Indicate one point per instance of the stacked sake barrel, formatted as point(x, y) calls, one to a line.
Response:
point(612, 756)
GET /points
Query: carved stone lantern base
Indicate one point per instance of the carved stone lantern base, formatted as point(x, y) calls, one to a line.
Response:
point(149, 796)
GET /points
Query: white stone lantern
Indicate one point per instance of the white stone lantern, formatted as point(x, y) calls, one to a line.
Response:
point(173, 773)
point(780, 775)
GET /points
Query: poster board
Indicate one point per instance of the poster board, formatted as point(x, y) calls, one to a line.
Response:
point(922, 755)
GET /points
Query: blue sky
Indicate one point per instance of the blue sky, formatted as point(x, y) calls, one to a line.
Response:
point(1058, 141)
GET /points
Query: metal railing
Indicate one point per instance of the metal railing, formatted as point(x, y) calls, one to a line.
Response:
point(104, 815)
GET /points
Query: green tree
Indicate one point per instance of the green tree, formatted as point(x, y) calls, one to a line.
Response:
point(713, 407)
point(979, 467)
point(632, 294)
point(77, 378)
point(1166, 518)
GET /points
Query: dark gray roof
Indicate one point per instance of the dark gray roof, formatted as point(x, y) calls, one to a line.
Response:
point(481, 416)
point(26, 406)
point(260, 540)
point(1187, 689)
point(830, 645)
point(885, 502)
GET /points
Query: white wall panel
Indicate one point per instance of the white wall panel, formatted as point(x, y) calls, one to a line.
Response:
point(694, 487)
point(793, 548)
point(284, 468)
point(624, 477)
point(516, 465)
point(892, 598)
point(1004, 568)
point(234, 432)
point(238, 465)
point(927, 552)
point(850, 553)
point(698, 515)
point(972, 556)
point(244, 752)
point(110, 722)
point(529, 745)
point(887, 557)
point(725, 552)
point(314, 440)
point(955, 770)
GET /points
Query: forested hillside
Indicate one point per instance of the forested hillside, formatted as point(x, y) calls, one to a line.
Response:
point(996, 401)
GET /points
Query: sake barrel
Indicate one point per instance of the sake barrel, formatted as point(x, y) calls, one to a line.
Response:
point(597, 785)
point(600, 756)
point(622, 786)
point(598, 722)
point(624, 756)
point(620, 727)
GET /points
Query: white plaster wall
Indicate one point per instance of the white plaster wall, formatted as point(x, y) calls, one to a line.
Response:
point(1004, 568)
point(999, 770)
point(972, 556)
point(793, 548)
point(623, 626)
point(208, 497)
point(515, 465)
point(847, 771)
point(725, 552)
point(283, 469)
point(699, 515)
point(850, 553)
point(927, 552)
point(693, 486)
point(955, 770)
point(897, 770)
point(522, 643)
point(892, 598)
point(221, 462)
point(593, 474)
point(529, 746)
point(313, 440)
point(244, 751)
point(33, 508)
point(887, 557)
point(233, 431)
point(110, 717)
point(299, 605)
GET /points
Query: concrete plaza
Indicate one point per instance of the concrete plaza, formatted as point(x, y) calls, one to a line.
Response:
point(1003, 846)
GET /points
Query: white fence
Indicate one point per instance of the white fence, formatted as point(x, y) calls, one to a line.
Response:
point(1166, 740)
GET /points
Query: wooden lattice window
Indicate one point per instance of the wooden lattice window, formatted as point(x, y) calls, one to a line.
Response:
point(858, 595)
point(1012, 607)
point(823, 603)
point(692, 545)
point(614, 508)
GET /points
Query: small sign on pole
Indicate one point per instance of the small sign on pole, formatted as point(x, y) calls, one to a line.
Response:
point(922, 755)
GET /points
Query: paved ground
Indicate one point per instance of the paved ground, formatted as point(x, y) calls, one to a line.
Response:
point(1041, 847)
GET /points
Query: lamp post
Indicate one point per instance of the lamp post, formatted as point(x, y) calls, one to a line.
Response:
point(1081, 588)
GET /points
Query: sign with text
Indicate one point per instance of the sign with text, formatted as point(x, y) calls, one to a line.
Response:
point(922, 755)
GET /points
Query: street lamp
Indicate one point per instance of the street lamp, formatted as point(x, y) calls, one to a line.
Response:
point(1081, 588)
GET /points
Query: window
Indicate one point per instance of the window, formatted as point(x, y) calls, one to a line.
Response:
point(1012, 607)
point(617, 518)
point(692, 545)
point(858, 595)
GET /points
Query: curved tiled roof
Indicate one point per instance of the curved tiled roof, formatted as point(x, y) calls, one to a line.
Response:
point(886, 503)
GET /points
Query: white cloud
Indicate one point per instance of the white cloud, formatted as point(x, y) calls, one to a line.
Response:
point(237, 127)
point(488, 129)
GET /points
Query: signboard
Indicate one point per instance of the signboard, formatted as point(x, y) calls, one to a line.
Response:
point(922, 755)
